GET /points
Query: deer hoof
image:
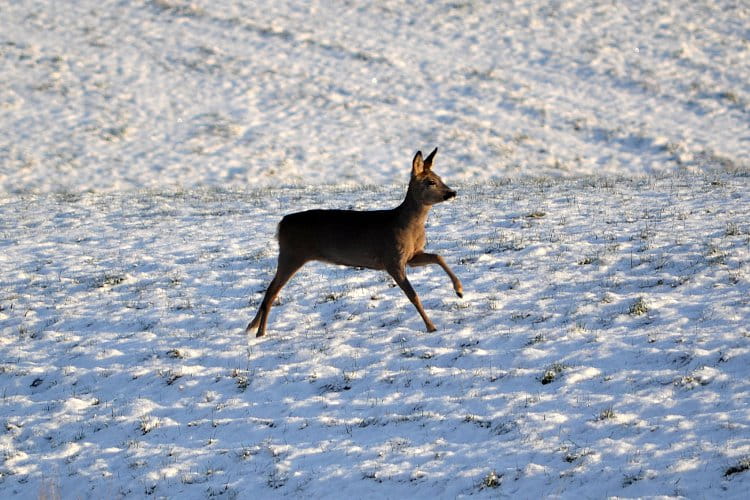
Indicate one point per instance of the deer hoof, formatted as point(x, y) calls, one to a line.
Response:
point(431, 328)
point(460, 294)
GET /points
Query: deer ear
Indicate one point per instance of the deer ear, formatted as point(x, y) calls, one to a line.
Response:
point(417, 165)
point(428, 160)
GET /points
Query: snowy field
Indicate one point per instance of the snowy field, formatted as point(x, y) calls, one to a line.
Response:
point(602, 347)
point(110, 95)
point(601, 154)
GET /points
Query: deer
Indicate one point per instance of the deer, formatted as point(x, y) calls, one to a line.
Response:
point(387, 240)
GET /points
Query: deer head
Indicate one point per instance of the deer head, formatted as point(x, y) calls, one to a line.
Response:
point(425, 185)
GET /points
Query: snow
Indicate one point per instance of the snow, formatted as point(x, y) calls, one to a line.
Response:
point(601, 231)
point(112, 95)
point(601, 349)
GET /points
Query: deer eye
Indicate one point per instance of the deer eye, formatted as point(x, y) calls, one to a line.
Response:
point(430, 182)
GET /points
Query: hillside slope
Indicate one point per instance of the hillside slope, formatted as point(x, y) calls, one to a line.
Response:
point(601, 348)
point(110, 95)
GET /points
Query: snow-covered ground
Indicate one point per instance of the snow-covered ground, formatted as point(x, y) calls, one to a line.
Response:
point(149, 148)
point(110, 94)
point(602, 347)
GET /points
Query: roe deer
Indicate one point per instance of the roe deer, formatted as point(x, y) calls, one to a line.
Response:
point(377, 239)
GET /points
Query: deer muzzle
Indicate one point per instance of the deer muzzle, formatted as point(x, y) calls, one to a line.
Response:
point(448, 195)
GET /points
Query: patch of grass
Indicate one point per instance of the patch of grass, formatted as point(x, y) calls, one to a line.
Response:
point(478, 421)
point(639, 307)
point(519, 315)
point(714, 254)
point(332, 297)
point(552, 373)
point(504, 427)
point(241, 379)
point(606, 414)
point(247, 452)
point(537, 339)
point(630, 479)
point(579, 327)
point(731, 96)
point(108, 280)
point(741, 466)
point(177, 10)
point(492, 480)
point(575, 453)
point(732, 229)
point(172, 377)
point(148, 424)
point(588, 259)
point(176, 354)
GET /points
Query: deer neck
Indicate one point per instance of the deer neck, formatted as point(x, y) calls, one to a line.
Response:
point(412, 212)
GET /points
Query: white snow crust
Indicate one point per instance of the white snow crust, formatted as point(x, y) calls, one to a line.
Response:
point(600, 151)
point(111, 95)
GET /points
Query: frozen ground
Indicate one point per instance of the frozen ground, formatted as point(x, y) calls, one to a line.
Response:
point(148, 149)
point(111, 94)
point(602, 347)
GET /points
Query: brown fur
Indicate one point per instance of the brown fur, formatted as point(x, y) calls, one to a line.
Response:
point(386, 240)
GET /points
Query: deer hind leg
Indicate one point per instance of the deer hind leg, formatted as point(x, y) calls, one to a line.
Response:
point(424, 259)
point(399, 275)
point(286, 268)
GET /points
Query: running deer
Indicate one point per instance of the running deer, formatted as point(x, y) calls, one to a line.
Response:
point(377, 239)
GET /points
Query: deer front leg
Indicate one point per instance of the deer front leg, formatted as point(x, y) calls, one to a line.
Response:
point(424, 259)
point(399, 275)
